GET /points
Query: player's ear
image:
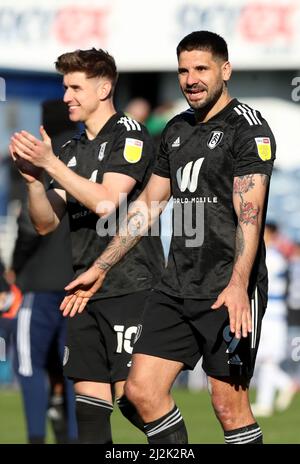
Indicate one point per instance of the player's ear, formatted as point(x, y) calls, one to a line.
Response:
point(226, 71)
point(105, 89)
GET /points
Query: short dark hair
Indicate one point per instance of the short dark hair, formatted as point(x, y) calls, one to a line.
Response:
point(204, 40)
point(94, 63)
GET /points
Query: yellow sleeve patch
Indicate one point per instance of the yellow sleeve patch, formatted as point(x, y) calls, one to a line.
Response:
point(133, 150)
point(264, 148)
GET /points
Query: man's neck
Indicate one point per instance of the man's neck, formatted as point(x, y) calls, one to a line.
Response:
point(98, 120)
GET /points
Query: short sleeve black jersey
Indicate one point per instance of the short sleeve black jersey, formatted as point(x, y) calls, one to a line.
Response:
point(202, 159)
point(122, 146)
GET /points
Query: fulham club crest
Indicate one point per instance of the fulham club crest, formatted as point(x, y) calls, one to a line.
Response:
point(214, 139)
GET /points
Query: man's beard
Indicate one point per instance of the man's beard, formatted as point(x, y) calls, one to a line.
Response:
point(209, 102)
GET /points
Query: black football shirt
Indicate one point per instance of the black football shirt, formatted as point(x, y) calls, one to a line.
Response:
point(122, 146)
point(201, 160)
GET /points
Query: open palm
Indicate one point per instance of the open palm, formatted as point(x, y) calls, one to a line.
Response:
point(80, 290)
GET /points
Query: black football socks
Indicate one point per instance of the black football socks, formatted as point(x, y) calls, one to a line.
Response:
point(93, 418)
point(250, 435)
point(168, 429)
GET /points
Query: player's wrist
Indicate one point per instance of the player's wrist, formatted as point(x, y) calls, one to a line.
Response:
point(102, 265)
point(51, 164)
point(36, 184)
point(238, 279)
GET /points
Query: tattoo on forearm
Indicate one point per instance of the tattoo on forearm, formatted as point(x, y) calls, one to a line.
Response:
point(136, 222)
point(248, 213)
point(129, 234)
point(101, 264)
point(115, 251)
point(239, 242)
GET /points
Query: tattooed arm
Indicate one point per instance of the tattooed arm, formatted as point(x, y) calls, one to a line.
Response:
point(248, 199)
point(141, 216)
point(136, 224)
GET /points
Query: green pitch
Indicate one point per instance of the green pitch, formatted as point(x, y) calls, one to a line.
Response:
point(196, 410)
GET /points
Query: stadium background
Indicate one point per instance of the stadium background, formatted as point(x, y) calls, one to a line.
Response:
point(263, 38)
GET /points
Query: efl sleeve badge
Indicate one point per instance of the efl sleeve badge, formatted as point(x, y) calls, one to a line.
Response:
point(263, 148)
point(133, 150)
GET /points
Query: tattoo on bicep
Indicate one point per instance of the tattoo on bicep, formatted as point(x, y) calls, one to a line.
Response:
point(239, 242)
point(243, 184)
point(264, 179)
point(248, 212)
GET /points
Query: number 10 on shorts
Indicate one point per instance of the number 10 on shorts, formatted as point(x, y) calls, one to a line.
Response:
point(125, 338)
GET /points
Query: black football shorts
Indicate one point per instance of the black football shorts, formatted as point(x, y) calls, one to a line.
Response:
point(100, 339)
point(185, 329)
